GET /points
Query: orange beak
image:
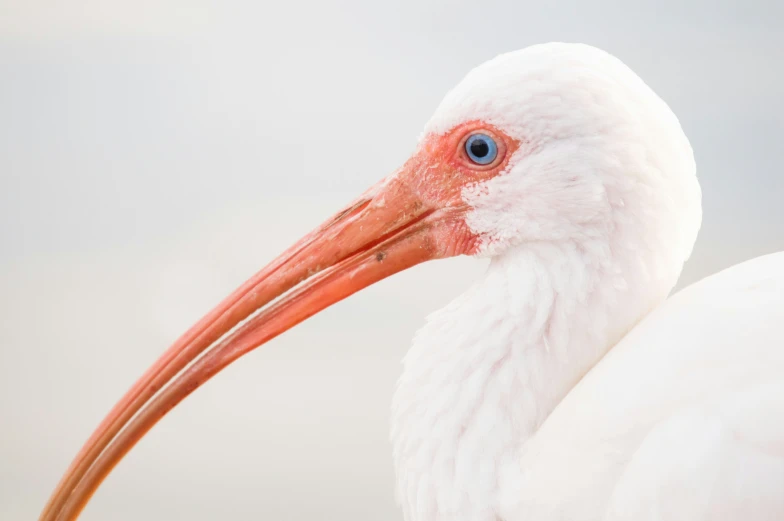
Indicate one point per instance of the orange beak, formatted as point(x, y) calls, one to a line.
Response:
point(414, 216)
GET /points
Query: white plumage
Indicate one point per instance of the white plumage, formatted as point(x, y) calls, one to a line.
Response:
point(559, 387)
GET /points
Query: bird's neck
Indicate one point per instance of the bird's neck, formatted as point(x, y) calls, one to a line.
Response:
point(487, 370)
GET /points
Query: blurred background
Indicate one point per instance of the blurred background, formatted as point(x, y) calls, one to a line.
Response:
point(155, 153)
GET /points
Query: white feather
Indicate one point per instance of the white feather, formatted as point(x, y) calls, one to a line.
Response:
point(509, 406)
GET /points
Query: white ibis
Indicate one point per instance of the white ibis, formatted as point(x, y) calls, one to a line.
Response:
point(562, 385)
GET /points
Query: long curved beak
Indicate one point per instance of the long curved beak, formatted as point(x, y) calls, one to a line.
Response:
point(388, 229)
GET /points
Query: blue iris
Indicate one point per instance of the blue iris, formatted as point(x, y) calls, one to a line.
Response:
point(481, 149)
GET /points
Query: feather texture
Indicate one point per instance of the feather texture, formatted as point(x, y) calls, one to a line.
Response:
point(562, 385)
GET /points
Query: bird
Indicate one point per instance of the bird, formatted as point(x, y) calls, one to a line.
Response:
point(565, 383)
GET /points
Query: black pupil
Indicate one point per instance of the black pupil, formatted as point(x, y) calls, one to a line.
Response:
point(480, 148)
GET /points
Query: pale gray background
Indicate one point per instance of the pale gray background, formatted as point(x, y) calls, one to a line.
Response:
point(153, 154)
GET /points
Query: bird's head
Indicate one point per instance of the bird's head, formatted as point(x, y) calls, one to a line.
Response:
point(556, 143)
point(586, 153)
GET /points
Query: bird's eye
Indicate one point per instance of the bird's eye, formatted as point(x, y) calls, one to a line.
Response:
point(481, 149)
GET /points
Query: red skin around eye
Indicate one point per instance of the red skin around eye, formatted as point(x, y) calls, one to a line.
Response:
point(441, 168)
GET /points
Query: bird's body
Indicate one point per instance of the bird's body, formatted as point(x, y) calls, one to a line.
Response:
point(562, 385)
point(682, 419)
